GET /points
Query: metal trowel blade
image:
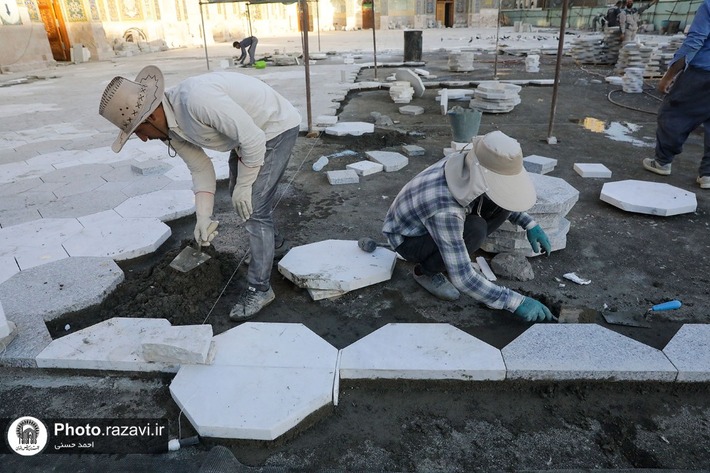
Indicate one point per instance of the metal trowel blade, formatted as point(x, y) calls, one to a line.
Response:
point(189, 258)
point(627, 320)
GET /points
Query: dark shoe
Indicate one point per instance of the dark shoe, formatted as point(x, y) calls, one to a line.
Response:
point(250, 303)
point(438, 285)
point(652, 165)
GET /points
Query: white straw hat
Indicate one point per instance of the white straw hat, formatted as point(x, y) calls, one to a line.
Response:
point(127, 103)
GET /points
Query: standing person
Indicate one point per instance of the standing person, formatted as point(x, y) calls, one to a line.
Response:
point(612, 15)
point(446, 212)
point(687, 103)
point(222, 111)
point(629, 19)
point(250, 43)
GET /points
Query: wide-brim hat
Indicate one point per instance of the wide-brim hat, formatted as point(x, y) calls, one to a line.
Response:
point(493, 166)
point(127, 103)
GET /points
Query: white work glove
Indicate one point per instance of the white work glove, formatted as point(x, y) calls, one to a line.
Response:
point(205, 228)
point(241, 197)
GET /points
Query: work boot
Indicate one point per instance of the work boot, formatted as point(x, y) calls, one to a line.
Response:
point(704, 182)
point(250, 303)
point(438, 285)
point(652, 165)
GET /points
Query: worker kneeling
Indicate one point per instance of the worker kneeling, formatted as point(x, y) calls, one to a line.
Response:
point(446, 212)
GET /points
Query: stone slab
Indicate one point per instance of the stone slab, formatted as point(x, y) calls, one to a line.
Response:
point(184, 344)
point(689, 351)
point(350, 128)
point(336, 265)
point(150, 167)
point(275, 345)
point(421, 351)
point(539, 164)
point(411, 110)
point(248, 402)
point(365, 168)
point(390, 160)
point(554, 195)
point(165, 205)
point(413, 150)
point(592, 170)
point(342, 176)
point(60, 287)
point(31, 338)
point(412, 78)
point(583, 351)
point(114, 345)
point(109, 234)
point(652, 198)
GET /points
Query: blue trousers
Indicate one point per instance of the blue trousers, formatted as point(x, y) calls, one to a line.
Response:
point(260, 225)
point(423, 249)
point(686, 107)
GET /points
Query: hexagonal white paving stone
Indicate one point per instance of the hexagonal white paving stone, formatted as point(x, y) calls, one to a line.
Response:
point(109, 234)
point(264, 380)
point(653, 198)
point(115, 344)
point(8, 268)
point(583, 351)
point(336, 264)
point(164, 205)
point(689, 351)
point(421, 351)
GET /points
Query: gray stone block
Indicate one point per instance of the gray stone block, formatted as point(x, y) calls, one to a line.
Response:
point(539, 164)
point(345, 176)
point(390, 160)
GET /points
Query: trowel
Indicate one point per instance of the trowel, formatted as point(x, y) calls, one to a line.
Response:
point(189, 258)
point(628, 320)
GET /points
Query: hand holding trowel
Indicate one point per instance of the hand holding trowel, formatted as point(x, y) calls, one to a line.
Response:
point(205, 231)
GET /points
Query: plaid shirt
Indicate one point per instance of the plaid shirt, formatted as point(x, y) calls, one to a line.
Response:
point(425, 205)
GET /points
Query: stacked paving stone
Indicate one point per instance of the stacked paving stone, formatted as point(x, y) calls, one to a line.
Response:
point(632, 82)
point(401, 91)
point(532, 63)
point(588, 50)
point(555, 198)
point(461, 62)
point(633, 55)
point(662, 56)
point(495, 97)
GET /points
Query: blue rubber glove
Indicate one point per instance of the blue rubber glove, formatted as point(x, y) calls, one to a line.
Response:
point(533, 311)
point(537, 237)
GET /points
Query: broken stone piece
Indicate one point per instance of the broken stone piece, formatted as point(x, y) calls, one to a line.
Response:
point(512, 266)
point(365, 168)
point(576, 279)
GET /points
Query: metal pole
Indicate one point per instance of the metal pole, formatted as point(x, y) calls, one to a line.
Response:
point(204, 35)
point(495, 62)
point(249, 18)
point(306, 60)
point(318, 22)
point(560, 51)
point(374, 39)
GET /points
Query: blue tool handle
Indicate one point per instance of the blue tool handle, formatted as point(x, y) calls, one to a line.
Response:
point(670, 305)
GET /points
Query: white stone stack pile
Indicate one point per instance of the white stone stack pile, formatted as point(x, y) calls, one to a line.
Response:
point(632, 80)
point(588, 50)
point(633, 55)
point(555, 198)
point(664, 53)
point(461, 61)
point(495, 97)
point(612, 45)
point(401, 91)
point(532, 63)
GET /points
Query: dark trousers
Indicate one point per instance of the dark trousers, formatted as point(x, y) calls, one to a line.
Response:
point(423, 249)
point(686, 107)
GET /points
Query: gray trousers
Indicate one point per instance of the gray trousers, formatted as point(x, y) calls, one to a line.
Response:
point(260, 226)
point(686, 107)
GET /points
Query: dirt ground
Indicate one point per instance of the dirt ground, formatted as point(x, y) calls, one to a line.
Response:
point(633, 261)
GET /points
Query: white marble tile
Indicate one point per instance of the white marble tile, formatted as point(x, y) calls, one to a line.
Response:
point(336, 264)
point(592, 170)
point(583, 351)
point(115, 344)
point(342, 176)
point(165, 205)
point(653, 198)
point(365, 168)
point(8, 268)
point(31, 256)
point(276, 345)
point(539, 164)
point(109, 234)
point(350, 128)
point(254, 403)
point(689, 351)
point(421, 351)
point(183, 344)
point(390, 160)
